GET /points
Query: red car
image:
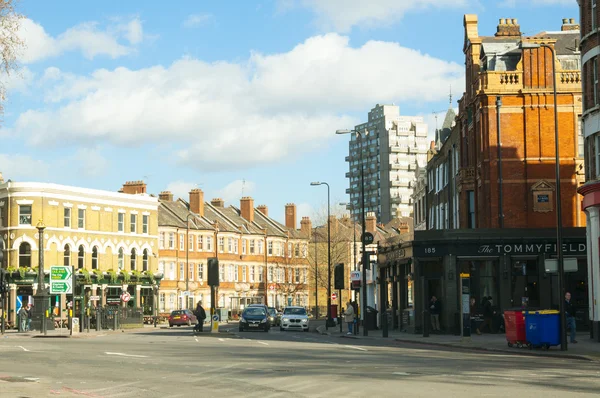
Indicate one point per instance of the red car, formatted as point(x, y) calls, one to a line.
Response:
point(182, 317)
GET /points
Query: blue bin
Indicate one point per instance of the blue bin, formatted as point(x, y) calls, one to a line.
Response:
point(542, 328)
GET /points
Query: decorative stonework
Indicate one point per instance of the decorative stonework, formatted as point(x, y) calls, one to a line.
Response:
point(543, 197)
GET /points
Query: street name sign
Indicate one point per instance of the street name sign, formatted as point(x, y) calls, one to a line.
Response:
point(61, 279)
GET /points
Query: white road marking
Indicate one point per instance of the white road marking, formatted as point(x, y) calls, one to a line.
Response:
point(356, 348)
point(23, 348)
point(125, 355)
point(262, 342)
point(101, 335)
point(31, 378)
point(196, 340)
point(401, 374)
point(219, 340)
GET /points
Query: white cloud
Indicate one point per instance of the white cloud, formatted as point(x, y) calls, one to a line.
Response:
point(195, 20)
point(304, 210)
point(514, 3)
point(342, 15)
point(17, 166)
point(233, 192)
point(87, 38)
point(90, 162)
point(262, 110)
point(181, 189)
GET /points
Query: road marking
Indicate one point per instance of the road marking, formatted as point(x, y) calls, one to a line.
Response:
point(125, 355)
point(219, 340)
point(101, 335)
point(196, 340)
point(356, 348)
point(23, 348)
point(262, 342)
point(401, 374)
point(31, 378)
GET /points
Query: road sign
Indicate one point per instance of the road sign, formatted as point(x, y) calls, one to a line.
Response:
point(61, 279)
point(355, 276)
point(125, 297)
point(368, 238)
point(94, 298)
point(334, 296)
point(271, 287)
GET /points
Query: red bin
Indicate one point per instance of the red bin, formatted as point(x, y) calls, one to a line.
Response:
point(514, 323)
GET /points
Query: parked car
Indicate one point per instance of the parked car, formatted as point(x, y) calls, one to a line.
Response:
point(294, 318)
point(254, 318)
point(274, 317)
point(182, 317)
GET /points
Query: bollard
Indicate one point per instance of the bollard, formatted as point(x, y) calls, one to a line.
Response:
point(115, 319)
point(384, 324)
point(155, 321)
point(426, 323)
point(97, 319)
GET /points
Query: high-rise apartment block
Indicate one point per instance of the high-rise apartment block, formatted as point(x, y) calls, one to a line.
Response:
point(391, 147)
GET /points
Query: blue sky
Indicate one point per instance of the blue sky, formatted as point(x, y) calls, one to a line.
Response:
point(233, 96)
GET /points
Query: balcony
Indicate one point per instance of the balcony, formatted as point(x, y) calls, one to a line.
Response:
point(502, 81)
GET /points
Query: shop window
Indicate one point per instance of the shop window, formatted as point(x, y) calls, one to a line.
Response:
point(484, 279)
point(24, 255)
point(525, 283)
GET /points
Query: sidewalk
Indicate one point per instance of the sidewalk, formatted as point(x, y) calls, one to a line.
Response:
point(586, 349)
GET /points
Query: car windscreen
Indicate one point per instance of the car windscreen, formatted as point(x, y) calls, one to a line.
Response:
point(177, 312)
point(272, 312)
point(294, 311)
point(254, 311)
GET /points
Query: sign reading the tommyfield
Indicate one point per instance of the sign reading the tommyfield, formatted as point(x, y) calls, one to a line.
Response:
point(494, 249)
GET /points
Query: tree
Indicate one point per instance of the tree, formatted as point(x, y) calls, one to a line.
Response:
point(10, 42)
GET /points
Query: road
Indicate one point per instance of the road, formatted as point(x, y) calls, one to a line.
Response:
point(175, 363)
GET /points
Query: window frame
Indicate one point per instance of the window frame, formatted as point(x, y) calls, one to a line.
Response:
point(81, 218)
point(21, 214)
point(145, 224)
point(67, 218)
point(133, 223)
point(121, 222)
point(80, 257)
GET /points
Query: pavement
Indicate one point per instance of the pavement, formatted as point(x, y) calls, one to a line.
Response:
point(158, 362)
point(585, 349)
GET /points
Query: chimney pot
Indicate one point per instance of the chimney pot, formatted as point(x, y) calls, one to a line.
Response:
point(565, 21)
point(247, 208)
point(167, 196)
point(290, 216)
point(514, 21)
point(134, 187)
point(217, 202)
point(264, 210)
point(197, 201)
point(572, 20)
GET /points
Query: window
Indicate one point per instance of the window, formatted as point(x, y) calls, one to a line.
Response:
point(209, 243)
point(304, 250)
point(161, 240)
point(580, 138)
point(305, 276)
point(260, 247)
point(171, 240)
point(289, 250)
point(270, 275)
point(297, 275)
point(221, 245)
point(191, 272)
point(243, 273)
point(25, 215)
point(471, 209)
point(297, 250)
point(270, 248)
point(595, 79)
point(67, 217)
point(260, 274)
point(191, 243)
point(81, 218)
point(67, 255)
point(236, 248)
point(133, 223)
point(161, 268)
point(181, 271)
point(162, 302)
point(172, 271)
point(244, 242)
point(132, 260)
point(251, 246)
point(24, 255)
point(200, 245)
point(81, 257)
point(236, 270)
point(181, 242)
point(200, 272)
point(221, 273)
point(145, 260)
point(251, 272)
point(145, 219)
point(95, 257)
point(121, 259)
point(121, 222)
point(230, 245)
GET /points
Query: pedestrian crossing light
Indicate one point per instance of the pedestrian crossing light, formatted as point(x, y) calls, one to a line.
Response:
point(339, 276)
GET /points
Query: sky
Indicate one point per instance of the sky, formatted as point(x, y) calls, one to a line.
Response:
point(239, 97)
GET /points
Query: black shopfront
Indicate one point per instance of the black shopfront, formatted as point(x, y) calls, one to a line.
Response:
point(507, 265)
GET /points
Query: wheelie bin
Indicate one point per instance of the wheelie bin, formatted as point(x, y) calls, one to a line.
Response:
point(514, 324)
point(542, 328)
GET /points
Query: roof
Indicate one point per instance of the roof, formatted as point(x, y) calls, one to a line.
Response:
point(441, 135)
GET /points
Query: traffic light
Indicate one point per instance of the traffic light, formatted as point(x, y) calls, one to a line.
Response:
point(339, 276)
point(213, 271)
point(3, 282)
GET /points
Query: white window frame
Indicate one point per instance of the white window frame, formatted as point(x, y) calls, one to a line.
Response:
point(145, 222)
point(67, 218)
point(236, 273)
point(191, 271)
point(133, 223)
point(80, 219)
point(252, 246)
point(244, 242)
point(172, 275)
point(200, 271)
point(229, 245)
point(200, 243)
point(221, 244)
point(181, 271)
point(172, 240)
point(236, 244)
point(22, 215)
point(181, 242)
point(260, 274)
point(191, 242)
point(252, 273)
point(161, 240)
point(209, 243)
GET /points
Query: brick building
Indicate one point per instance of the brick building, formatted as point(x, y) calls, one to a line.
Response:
point(590, 48)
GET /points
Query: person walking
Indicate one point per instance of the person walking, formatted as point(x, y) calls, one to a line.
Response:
point(488, 314)
point(570, 315)
point(434, 310)
point(22, 319)
point(349, 316)
point(201, 316)
point(29, 316)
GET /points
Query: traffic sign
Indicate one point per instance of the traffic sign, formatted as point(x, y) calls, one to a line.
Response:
point(61, 279)
point(125, 296)
point(355, 276)
point(334, 296)
point(368, 238)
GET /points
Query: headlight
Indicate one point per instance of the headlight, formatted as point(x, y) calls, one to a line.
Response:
point(264, 321)
point(284, 319)
point(304, 320)
point(242, 320)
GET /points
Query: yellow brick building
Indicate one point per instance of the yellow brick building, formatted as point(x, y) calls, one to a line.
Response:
point(111, 239)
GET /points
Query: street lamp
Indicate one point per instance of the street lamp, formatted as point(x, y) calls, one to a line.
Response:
point(365, 258)
point(559, 251)
point(187, 260)
point(41, 290)
point(329, 320)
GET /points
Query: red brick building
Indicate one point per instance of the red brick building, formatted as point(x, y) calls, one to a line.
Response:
point(497, 67)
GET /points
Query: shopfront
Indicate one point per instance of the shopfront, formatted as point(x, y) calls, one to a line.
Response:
point(507, 265)
point(397, 283)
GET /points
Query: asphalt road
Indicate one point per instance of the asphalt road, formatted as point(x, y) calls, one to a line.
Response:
point(175, 363)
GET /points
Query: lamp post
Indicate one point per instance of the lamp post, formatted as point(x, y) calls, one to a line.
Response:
point(365, 258)
point(41, 290)
point(559, 250)
point(187, 260)
point(316, 279)
point(350, 205)
point(328, 322)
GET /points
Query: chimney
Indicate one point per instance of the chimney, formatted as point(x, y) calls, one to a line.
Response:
point(197, 201)
point(264, 210)
point(217, 202)
point(306, 227)
point(247, 208)
point(334, 224)
point(134, 187)
point(167, 196)
point(290, 216)
point(569, 24)
point(370, 222)
point(508, 28)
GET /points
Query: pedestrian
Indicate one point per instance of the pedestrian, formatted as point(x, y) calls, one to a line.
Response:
point(570, 315)
point(29, 316)
point(434, 310)
point(488, 314)
point(473, 314)
point(349, 316)
point(201, 316)
point(22, 319)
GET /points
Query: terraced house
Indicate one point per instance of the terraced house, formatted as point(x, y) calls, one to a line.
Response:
point(111, 239)
point(260, 260)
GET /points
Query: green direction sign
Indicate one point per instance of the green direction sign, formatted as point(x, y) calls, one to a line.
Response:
point(61, 279)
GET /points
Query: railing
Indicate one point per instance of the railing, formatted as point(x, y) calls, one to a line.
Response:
point(572, 77)
point(467, 173)
point(510, 81)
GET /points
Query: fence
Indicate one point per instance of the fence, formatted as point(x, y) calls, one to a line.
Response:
point(118, 318)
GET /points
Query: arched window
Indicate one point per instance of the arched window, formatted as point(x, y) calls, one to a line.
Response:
point(121, 259)
point(81, 257)
point(145, 260)
point(95, 257)
point(133, 258)
point(25, 255)
point(67, 255)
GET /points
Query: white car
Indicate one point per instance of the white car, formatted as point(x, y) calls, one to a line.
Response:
point(294, 318)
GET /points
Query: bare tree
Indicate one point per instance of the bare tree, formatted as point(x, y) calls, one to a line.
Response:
point(10, 42)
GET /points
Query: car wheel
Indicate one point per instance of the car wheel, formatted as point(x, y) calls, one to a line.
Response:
point(178, 326)
point(170, 325)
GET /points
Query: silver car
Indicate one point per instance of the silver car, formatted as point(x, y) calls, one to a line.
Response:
point(294, 318)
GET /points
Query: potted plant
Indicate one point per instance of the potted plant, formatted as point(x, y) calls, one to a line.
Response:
point(22, 272)
point(150, 276)
point(98, 274)
point(113, 276)
point(86, 275)
point(136, 274)
point(12, 270)
point(126, 276)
